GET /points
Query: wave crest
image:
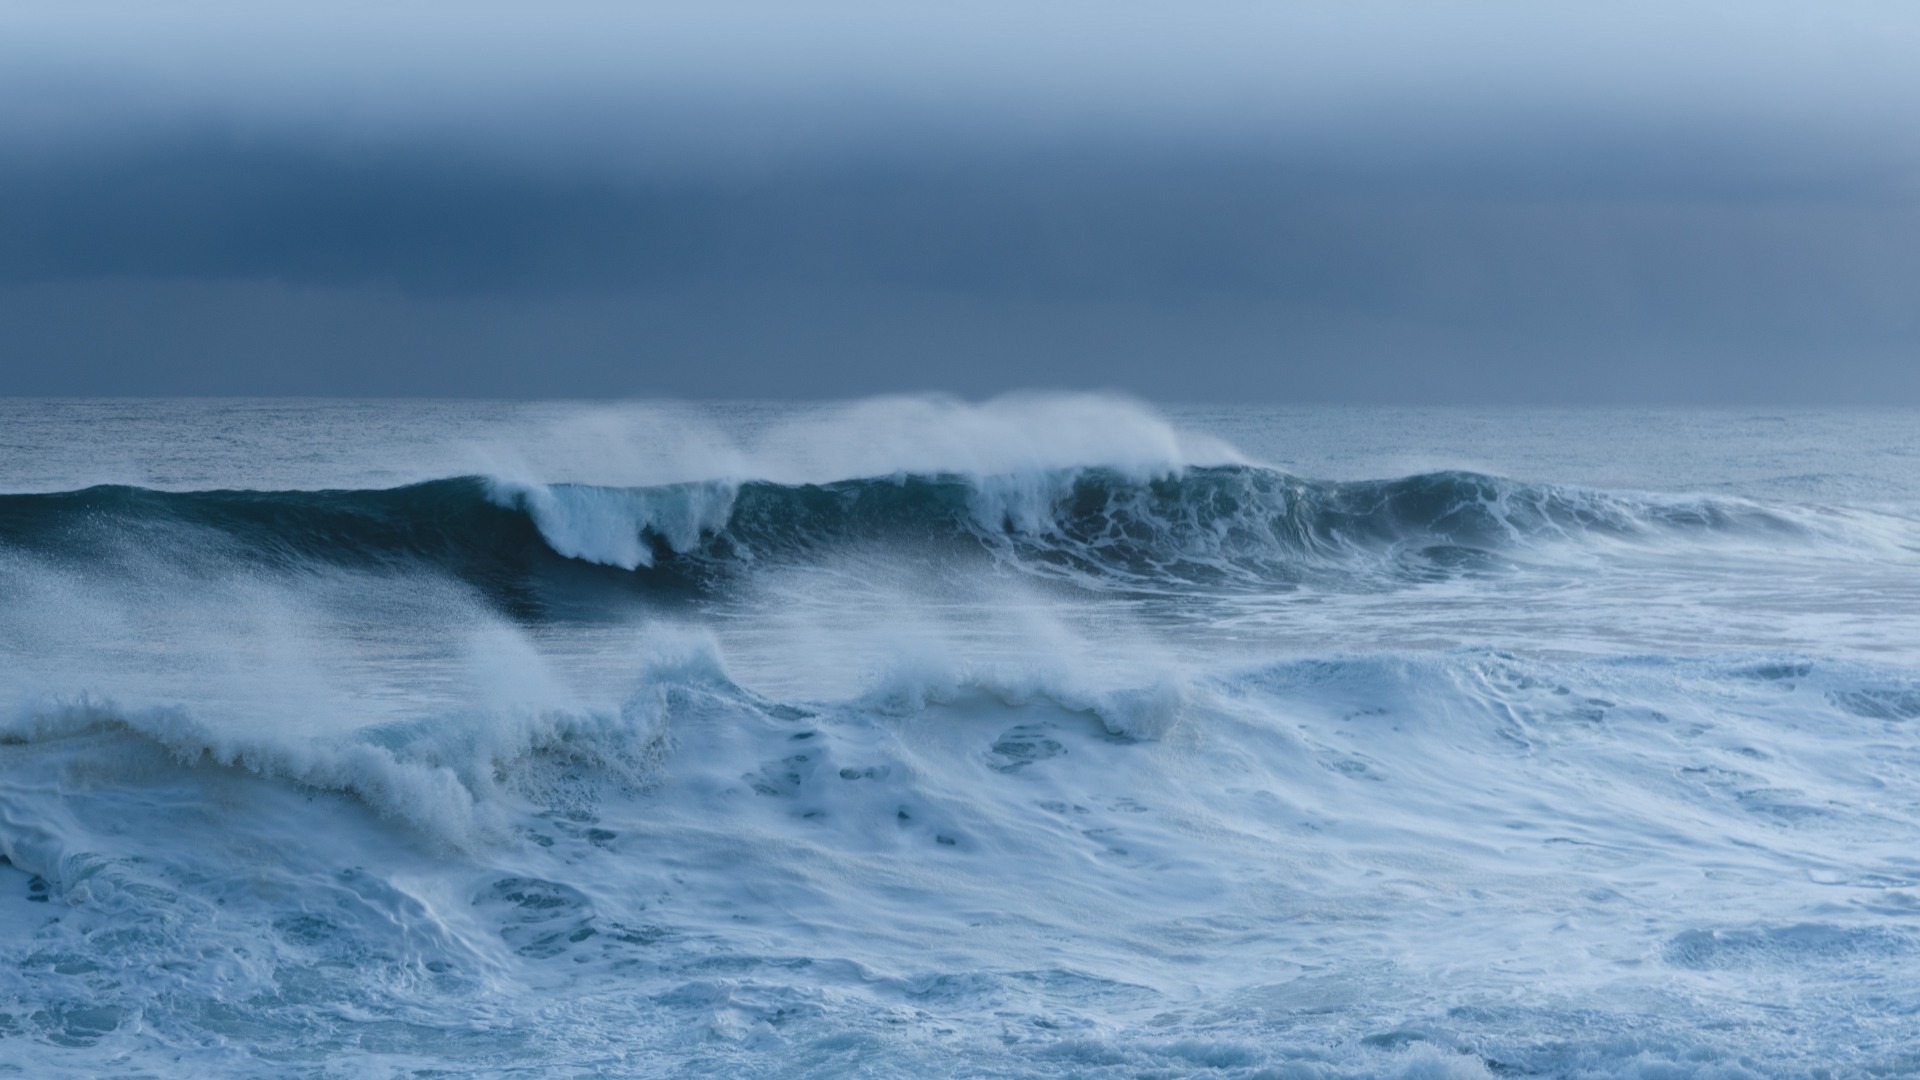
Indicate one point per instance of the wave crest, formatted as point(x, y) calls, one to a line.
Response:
point(450, 778)
point(1205, 525)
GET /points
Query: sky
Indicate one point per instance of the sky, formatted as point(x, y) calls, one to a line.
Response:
point(1437, 202)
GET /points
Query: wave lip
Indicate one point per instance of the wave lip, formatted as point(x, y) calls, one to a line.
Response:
point(615, 526)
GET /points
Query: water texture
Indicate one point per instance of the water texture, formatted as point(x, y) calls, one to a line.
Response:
point(1050, 736)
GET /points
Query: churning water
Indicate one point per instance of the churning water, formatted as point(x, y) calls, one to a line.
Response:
point(1051, 736)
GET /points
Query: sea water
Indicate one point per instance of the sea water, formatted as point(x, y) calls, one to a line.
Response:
point(1046, 736)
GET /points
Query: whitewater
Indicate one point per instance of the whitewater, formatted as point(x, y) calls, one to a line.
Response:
point(1048, 736)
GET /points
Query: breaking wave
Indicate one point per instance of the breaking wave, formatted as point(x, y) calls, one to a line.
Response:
point(1208, 526)
point(1029, 740)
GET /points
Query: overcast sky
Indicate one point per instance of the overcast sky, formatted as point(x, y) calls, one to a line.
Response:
point(1351, 201)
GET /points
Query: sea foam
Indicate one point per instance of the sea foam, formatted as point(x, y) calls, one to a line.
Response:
point(912, 737)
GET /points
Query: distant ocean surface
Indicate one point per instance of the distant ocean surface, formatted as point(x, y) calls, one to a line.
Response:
point(1045, 737)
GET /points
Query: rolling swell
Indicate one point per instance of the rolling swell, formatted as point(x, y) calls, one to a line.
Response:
point(1222, 526)
point(448, 525)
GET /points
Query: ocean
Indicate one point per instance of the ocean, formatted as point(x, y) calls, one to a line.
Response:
point(1047, 736)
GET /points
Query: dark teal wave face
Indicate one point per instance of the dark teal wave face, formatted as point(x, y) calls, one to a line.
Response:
point(1208, 529)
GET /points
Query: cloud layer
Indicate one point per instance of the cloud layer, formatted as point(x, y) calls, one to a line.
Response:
point(1390, 202)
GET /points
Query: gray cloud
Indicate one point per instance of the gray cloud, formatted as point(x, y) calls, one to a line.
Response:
point(1443, 202)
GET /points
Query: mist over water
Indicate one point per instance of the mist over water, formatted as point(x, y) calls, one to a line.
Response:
point(1047, 736)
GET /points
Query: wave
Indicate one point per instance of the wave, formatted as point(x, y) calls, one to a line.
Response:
point(677, 871)
point(459, 778)
point(1194, 526)
point(446, 778)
